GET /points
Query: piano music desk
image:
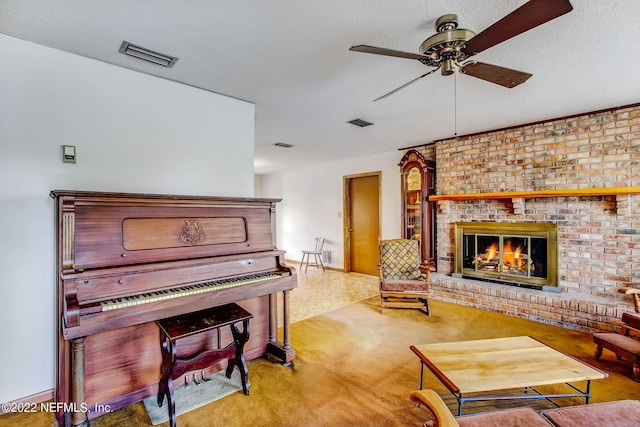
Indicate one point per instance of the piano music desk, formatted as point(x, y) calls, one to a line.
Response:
point(175, 328)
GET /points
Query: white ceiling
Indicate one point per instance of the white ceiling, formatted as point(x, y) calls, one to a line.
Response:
point(291, 58)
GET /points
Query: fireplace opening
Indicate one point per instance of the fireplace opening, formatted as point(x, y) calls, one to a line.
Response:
point(522, 254)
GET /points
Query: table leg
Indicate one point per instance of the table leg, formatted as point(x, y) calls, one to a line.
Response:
point(421, 373)
point(588, 393)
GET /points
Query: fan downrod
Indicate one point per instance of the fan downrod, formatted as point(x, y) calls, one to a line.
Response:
point(447, 22)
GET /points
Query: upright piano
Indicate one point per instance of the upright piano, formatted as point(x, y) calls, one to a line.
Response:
point(126, 260)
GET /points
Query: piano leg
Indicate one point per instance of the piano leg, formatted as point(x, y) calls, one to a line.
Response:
point(78, 415)
point(273, 318)
point(286, 339)
point(281, 350)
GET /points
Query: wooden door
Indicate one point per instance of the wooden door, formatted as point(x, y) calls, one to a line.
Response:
point(362, 223)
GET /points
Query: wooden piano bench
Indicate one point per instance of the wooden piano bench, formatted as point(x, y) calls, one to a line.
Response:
point(175, 328)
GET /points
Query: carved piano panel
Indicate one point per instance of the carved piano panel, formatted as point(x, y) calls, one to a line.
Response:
point(112, 236)
point(126, 260)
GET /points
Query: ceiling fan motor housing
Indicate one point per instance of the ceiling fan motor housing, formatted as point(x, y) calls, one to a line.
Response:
point(446, 44)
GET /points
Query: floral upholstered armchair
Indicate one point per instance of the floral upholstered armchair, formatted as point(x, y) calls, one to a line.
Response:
point(402, 284)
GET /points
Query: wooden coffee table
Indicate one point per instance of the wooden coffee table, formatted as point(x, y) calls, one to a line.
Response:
point(482, 370)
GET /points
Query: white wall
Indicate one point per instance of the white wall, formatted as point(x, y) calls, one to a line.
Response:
point(133, 133)
point(312, 204)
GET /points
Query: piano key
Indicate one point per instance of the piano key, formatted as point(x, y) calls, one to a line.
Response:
point(211, 286)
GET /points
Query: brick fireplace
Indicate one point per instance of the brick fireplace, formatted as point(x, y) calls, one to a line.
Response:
point(570, 172)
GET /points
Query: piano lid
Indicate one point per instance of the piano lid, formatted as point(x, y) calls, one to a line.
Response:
point(167, 198)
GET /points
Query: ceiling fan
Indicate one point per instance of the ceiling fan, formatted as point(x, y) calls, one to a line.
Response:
point(450, 46)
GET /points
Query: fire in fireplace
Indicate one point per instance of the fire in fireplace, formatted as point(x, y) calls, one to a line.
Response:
point(522, 254)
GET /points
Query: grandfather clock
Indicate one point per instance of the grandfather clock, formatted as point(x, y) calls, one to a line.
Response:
point(418, 213)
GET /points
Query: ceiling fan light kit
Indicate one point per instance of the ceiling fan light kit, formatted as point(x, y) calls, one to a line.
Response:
point(450, 46)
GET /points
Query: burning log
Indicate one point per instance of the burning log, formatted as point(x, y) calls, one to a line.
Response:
point(513, 260)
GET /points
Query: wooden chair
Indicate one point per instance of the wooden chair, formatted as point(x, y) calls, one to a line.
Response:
point(317, 255)
point(402, 283)
point(624, 344)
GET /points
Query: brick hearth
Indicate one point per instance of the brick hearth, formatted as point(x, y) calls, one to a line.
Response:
point(598, 236)
point(555, 309)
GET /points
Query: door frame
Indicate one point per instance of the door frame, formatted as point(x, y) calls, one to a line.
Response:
point(346, 181)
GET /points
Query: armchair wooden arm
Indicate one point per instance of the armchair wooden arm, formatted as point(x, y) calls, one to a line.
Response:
point(441, 413)
point(617, 413)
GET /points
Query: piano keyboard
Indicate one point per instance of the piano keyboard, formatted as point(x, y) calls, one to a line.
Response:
point(200, 288)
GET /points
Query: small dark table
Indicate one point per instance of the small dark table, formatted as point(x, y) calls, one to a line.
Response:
point(175, 328)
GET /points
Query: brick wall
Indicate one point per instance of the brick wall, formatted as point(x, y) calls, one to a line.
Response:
point(598, 237)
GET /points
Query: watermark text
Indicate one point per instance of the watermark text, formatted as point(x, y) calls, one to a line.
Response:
point(70, 407)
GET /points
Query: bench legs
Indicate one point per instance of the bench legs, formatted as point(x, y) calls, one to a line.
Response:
point(599, 353)
point(240, 338)
point(173, 367)
point(600, 345)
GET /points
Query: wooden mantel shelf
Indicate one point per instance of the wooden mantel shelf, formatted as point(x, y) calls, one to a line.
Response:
point(579, 192)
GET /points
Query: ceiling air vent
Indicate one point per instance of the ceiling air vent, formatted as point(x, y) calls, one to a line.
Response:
point(359, 122)
point(147, 55)
point(283, 145)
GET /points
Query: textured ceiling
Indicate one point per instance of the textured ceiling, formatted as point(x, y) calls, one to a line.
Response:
point(291, 59)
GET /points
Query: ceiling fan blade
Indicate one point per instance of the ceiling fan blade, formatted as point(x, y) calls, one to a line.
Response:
point(526, 17)
point(387, 52)
point(492, 73)
point(405, 85)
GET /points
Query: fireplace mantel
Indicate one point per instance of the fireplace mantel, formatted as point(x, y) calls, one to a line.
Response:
point(578, 192)
point(516, 198)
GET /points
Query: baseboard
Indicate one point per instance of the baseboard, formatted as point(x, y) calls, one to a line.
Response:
point(296, 264)
point(37, 398)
